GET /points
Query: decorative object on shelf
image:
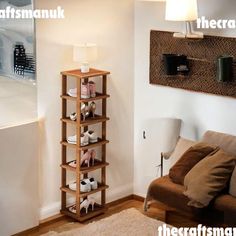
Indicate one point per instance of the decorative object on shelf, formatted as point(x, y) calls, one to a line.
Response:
point(225, 68)
point(202, 57)
point(84, 142)
point(183, 10)
point(175, 64)
point(85, 54)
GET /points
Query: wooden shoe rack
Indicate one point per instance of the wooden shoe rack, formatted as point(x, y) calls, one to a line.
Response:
point(101, 163)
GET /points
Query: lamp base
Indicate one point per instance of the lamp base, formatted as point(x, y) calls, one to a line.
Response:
point(84, 68)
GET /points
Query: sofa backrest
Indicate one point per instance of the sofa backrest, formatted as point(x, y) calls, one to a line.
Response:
point(226, 142)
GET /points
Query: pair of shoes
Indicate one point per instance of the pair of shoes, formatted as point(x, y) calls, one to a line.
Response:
point(88, 90)
point(72, 92)
point(86, 110)
point(86, 203)
point(88, 137)
point(85, 138)
point(87, 157)
point(86, 185)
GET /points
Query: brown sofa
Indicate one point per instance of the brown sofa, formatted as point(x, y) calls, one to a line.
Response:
point(223, 207)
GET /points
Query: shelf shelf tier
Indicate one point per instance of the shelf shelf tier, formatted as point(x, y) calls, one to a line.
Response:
point(80, 215)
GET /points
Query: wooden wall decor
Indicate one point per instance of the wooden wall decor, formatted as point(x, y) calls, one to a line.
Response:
point(202, 55)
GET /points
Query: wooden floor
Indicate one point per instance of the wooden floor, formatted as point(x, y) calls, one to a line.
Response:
point(65, 223)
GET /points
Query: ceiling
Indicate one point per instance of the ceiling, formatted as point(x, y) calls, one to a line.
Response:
point(18, 3)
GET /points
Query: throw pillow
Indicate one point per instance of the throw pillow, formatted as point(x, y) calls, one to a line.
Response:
point(232, 186)
point(208, 178)
point(181, 147)
point(188, 160)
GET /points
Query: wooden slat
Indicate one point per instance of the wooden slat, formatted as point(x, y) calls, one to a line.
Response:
point(98, 97)
point(99, 143)
point(89, 121)
point(82, 194)
point(98, 210)
point(63, 148)
point(84, 170)
point(92, 73)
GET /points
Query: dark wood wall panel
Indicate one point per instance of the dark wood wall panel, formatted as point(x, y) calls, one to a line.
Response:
point(202, 55)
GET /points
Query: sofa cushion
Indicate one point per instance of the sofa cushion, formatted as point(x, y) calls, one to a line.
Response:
point(224, 141)
point(181, 147)
point(208, 178)
point(169, 193)
point(225, 203)
point(188, 160)
point(232, 186)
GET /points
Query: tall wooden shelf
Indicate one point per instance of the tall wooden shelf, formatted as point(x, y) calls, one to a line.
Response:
point(79, 124)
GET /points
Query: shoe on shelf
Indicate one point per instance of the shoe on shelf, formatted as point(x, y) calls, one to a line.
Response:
point(91, 201)
point(85, 112)
point(85, 186)
point(85, 204)
point(72, 139)
point(72, 186)
point(92, 108)
point(73, 116)
point(72, 163)
point(72, 92)
point(93, 137)
point(84, 139)
point(72, 209)
point(87, 157)
point(93, 183)
point(92, 89)
point(85, 92)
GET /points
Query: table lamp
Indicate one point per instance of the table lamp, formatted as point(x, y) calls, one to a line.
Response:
point(183, 10)
point(85, 54)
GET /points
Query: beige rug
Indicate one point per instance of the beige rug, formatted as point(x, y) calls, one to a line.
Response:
point(126, 223)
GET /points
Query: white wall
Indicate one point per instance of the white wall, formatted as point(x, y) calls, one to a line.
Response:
point(109, 24)
point(199, 112)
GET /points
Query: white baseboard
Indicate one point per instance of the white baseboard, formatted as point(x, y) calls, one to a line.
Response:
point(52, 209)
point(112, 195)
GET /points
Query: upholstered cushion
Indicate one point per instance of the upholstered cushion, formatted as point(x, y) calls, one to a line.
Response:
point(232, 186)
point(165, 191)
point(224, 141)
point(181, 147)
point(208, 178)
point(188, 160)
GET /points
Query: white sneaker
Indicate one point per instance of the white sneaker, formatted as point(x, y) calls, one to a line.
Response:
point(93, 183)
point(85, 186)
point(84, 139)
point(72, 92)
point(93, 137)
point(72, 139)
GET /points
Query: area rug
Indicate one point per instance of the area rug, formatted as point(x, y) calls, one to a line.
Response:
point(126, 223)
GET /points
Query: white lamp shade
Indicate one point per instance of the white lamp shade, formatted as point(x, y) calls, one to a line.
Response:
point(181, 10)
point(85, 53)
